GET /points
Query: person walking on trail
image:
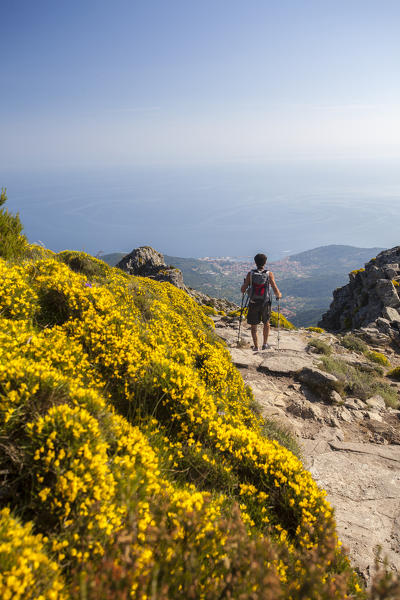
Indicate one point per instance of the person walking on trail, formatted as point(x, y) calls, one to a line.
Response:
point(257, 284)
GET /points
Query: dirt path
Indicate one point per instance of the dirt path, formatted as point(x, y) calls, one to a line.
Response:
point(351, 448)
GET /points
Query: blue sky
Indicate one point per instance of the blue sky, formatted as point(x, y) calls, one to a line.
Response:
point(96, 82)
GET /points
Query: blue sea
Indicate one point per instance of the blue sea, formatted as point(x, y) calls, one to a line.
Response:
point(279, 208)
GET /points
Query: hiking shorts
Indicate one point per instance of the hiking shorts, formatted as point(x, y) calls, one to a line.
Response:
point(258, 312)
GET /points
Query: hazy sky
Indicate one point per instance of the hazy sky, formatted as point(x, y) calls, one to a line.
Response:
point(173, 81)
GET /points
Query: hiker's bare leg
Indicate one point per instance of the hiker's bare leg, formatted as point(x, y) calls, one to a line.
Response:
point(266, 331)
point(254, 335)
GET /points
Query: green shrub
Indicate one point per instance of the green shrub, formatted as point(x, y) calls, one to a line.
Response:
point(12, 242)
point(274, 430)
point(394, 373)
point(315, 329)
point(352, 342)
point(377, 357)
point(80, 262)
point(319, 346)
point(36, 252)
point(209, 310)
point(359, 383)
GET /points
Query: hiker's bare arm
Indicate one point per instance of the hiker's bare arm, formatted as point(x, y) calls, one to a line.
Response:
point(245, 284)
point(274, 286)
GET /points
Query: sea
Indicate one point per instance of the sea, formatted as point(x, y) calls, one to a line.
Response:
point(229, 209)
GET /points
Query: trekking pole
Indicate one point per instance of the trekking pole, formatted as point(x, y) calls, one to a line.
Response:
point(279, 331)
point(240, 319)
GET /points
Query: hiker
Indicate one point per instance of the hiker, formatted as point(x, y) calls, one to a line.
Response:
point(257, 284)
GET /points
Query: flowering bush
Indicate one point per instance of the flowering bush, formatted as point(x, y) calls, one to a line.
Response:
point(26, 572)
point(315, 329)
point(377, 357)
point(394, 373)
point(132, 446)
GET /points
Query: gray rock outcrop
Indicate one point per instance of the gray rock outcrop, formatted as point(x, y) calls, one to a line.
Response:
point(370, 299)
point(147, 262)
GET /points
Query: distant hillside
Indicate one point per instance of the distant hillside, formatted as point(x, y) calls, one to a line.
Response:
point(332, 256)
point(112, 259)
point(307, 279)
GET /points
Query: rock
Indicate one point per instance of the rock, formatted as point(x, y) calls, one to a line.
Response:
point(343, 414)
point(363, 482)
point(372, 416)
point(274, 412)
point(391, 314)
point(305, 410)
point(318, 381)
point(376, 402)
point(295, 386)
point(147, 262)
point(245, 359)
point(143, 261)
point(383, 325)
point(335, 397)
point(339, 435)
point(391, 271)
point(368, 297)
point(373, 336)
point(354, 403)
point(284, 364)
point(221, 304)
point(387, 293)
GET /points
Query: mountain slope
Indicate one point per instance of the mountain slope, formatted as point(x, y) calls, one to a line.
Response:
point(132, 460)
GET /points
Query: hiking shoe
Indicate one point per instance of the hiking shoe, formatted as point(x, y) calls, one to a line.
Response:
point(265, 347)
point(255, 348)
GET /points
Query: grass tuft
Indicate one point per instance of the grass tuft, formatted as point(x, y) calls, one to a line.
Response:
point(358, 382)
point(354, 343)
point(319, 346)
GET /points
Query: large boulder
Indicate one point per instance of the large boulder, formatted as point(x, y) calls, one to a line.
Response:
point(319, 381)
point(147, 262)
point(143, 261)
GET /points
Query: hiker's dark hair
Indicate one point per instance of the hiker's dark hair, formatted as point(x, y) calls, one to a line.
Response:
point(260, 260)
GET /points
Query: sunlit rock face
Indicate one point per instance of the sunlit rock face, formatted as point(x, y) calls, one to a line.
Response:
point(370, 299)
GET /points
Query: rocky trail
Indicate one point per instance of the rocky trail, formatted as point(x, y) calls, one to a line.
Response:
point(351, 446)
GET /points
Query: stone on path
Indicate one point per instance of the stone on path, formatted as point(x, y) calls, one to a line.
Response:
point(284, 364)
point(362, 482)
point(318, 380)
point(270, 361)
